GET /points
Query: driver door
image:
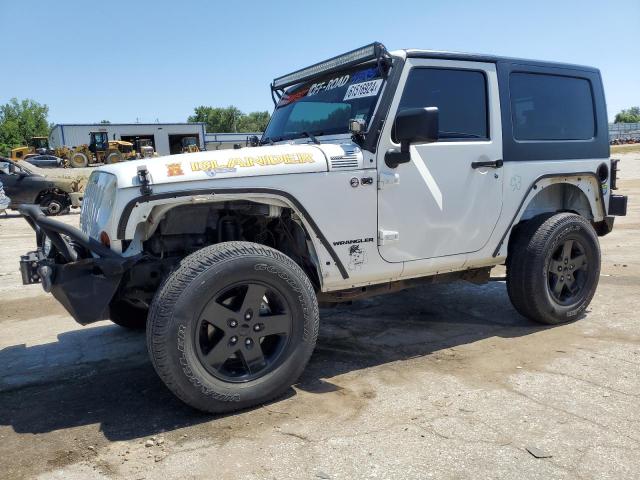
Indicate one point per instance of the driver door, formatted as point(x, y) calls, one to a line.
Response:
point(438, 204)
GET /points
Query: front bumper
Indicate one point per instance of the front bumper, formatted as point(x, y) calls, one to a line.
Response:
point(81, 273)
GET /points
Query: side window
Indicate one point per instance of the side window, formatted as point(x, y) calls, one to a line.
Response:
point(551, 107)
point(460, 95)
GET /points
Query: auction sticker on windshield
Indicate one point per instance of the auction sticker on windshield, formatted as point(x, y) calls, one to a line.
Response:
point(364, 89)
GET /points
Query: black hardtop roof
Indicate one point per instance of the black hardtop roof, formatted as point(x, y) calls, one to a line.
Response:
point(479, 57)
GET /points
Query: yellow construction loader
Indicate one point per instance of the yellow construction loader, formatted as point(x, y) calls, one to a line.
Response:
point(189, 145)
point(37, 146)
point(101, 150)
point(144, 148)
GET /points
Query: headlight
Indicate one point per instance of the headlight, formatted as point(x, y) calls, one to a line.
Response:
point(46, 246)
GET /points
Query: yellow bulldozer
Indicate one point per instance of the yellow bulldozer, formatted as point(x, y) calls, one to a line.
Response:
point(189, 145)
point(38, 146)
point(101, 150)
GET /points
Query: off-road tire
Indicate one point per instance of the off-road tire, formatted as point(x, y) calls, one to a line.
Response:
point(530, 252)
point(78, 160)
point(175, 316)
point(113, 158)
point(128, 316)
point(53, 204)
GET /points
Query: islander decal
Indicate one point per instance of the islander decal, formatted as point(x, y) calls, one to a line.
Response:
point(243, 162)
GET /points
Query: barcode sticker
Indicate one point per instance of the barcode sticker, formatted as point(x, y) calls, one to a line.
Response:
point(364, 89)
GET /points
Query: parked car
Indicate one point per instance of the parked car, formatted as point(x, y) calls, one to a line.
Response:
point(4, 200)
point(25, 183)
point(46, 161)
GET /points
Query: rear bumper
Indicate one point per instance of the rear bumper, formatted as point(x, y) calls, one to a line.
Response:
point(81, 273)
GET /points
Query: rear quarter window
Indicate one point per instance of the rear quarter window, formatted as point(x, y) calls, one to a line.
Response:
point(551, 107)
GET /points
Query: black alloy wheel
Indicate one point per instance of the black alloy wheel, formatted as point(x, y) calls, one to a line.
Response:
point(567, 272)
point(243, 331)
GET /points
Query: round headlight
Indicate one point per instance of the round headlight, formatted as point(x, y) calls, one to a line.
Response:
point(46, 246)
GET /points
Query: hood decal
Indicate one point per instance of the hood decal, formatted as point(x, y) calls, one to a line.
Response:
point(252, 161)
point(245, 162)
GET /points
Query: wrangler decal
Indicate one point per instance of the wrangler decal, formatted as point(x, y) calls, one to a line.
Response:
point(262, 161)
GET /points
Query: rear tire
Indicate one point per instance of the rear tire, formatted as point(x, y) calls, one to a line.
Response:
point(233, 327)
point(553, 268)
point(127, 316)
point(79, 160)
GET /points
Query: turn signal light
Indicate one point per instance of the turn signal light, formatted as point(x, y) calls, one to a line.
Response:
point(104, 239)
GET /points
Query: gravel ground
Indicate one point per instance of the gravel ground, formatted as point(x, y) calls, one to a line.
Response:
point(440, 382)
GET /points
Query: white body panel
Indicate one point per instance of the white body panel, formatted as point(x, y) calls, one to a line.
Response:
point(435, 214)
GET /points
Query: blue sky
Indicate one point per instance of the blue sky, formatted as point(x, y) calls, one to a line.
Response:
point(148, 60)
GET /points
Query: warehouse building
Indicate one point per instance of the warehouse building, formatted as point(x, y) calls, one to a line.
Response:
point(165, 137)
point(225, 141)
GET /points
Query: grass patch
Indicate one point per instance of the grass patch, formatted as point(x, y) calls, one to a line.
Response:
point(632, 148)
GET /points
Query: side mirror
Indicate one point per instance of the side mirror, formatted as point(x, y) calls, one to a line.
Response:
point(411, 126)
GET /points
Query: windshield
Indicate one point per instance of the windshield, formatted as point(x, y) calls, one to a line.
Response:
point(325, 105)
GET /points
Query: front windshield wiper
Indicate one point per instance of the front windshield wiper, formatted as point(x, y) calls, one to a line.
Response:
point(311, 136)
point(265, 140)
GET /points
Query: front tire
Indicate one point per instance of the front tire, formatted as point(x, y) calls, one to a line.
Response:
point(54, 204)
point(553, 268)
point(233, 327)
point(79, 160)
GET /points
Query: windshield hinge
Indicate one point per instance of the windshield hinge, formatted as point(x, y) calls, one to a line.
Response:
point(388, 179)
point(145, 180)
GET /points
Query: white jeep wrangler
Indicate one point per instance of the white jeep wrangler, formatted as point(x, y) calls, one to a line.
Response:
point(378, 171)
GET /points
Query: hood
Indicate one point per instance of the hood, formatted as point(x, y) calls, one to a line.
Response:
point(244, 162)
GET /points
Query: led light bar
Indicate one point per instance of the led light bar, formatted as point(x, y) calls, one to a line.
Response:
point(354, 57)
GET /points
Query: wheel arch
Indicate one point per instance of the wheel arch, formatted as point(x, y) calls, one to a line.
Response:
point(142, 215)
point(52, 191)
point(580, 193)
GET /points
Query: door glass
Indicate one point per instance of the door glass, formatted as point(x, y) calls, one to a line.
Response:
point(460, 95)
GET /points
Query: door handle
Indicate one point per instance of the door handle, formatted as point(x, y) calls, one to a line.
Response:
point(494, 164)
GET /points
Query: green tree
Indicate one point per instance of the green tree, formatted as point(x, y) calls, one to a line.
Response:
point(21, 120)
point(253, 122)
point(229, 119)
point(218, 119)
point(105, 122)
point(629, 115)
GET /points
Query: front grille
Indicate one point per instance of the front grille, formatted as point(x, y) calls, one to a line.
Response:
point(97, 203)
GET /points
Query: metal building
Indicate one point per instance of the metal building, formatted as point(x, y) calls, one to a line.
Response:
point(165, 137)
point(225, 141)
